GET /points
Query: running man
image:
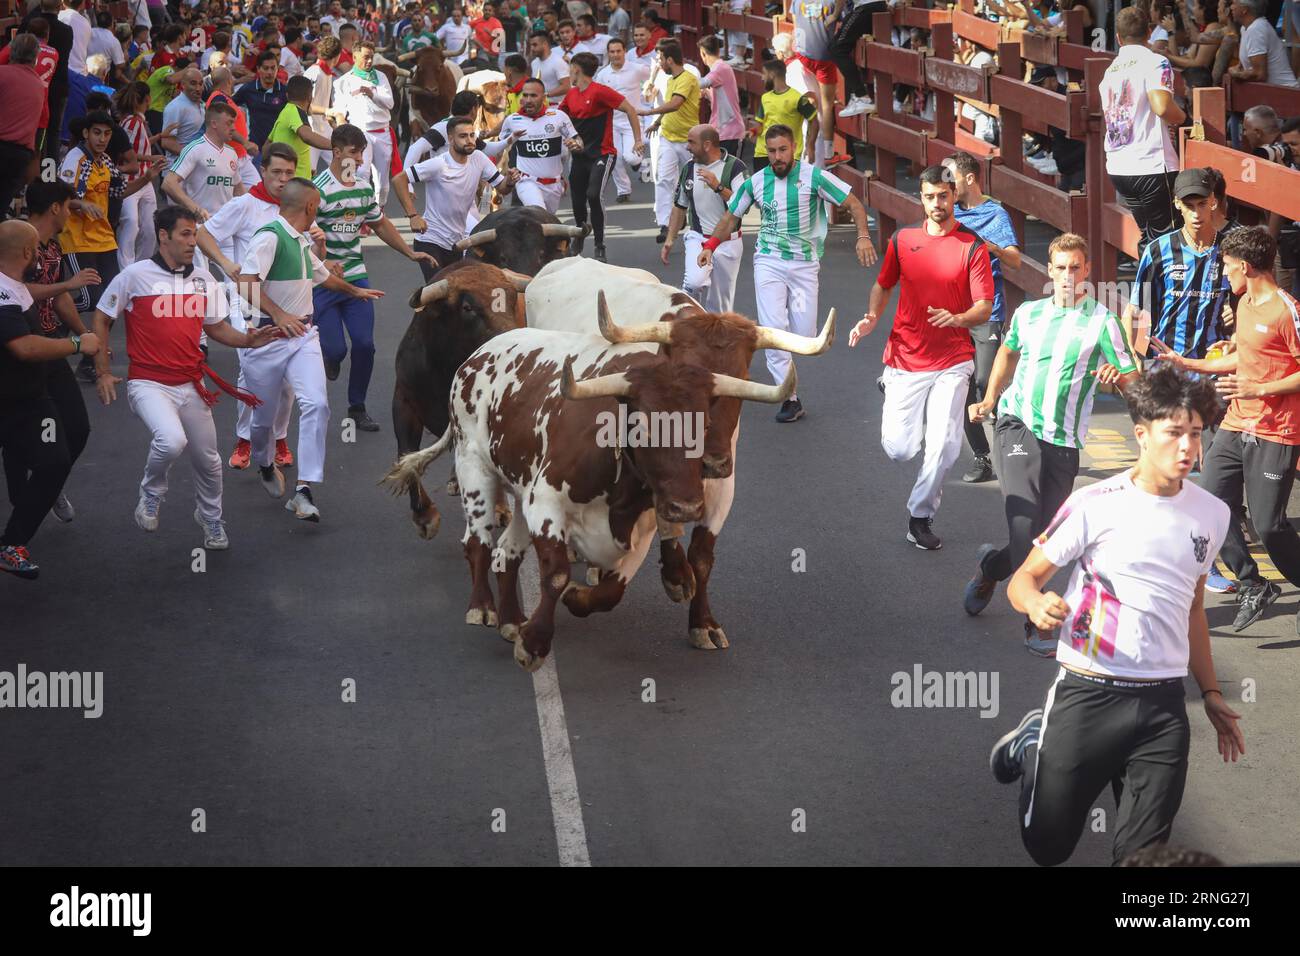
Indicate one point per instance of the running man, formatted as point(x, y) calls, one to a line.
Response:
point(1055, 352)
point(947, 290)
point(541, 135)
point(705, 187)
point(276, 277)
point(1132, 624)
point(451, 181)
point(626, 76)
point(364, 96)
point(679, 113)
point(168, 302)
point(591, 106)
point(205, 175)
point(1258, 443)
point(223, 239)
point(347, 203)
point(788, 251)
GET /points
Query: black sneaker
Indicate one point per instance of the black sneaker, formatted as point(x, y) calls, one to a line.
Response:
point(880, 384)
point(600, 254)
point(1007, 757)
point(791, 411)
point(663, 235)
point(1251, 603)
point(980, 471)
point(623, 198)
point(919, 533)
point(332, 369)
point(363, 421)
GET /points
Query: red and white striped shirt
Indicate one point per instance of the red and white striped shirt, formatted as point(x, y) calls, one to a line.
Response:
point(135, 127)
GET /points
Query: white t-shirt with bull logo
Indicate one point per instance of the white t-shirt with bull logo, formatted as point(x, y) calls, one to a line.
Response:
point(1140, 556)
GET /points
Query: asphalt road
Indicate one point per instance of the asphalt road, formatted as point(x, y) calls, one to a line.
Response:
point(223, 689)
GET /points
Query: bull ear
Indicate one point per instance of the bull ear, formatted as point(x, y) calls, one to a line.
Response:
point(603, 386)
point(661, 332)
point(725, 386)
point(769, 338)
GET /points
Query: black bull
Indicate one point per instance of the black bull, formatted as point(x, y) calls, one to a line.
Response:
point(462, 307)
point(520, 238)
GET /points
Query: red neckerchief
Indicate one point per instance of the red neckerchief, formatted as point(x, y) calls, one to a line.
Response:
point(646, 51)
point(260, 192)
point(324, 68)
point(518, 87)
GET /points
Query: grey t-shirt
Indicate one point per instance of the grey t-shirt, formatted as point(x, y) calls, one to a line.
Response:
point(1261, 39)
point(620, 25)
point(814, 28)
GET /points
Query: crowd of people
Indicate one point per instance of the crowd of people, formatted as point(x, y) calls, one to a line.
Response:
point(206, 172)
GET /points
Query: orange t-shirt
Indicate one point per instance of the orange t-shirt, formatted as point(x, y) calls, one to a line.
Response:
point(241, 122)
point(1268, 349)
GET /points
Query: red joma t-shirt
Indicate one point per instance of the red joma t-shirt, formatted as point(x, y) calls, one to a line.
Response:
point(950, 271)
point(592, 113)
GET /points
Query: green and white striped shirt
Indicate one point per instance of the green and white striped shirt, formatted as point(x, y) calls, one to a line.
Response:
point(1059, 350)
point(793, 224)
point(343, 210)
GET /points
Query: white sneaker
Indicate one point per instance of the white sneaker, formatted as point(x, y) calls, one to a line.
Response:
point(146, 511)
point(1046, 165)
point(63, 509)
point(272, 481)
point(302, 506)
point(858, 105)
point(214, 533)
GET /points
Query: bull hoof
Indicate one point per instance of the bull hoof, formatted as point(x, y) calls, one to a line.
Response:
point(427, 525)
point(529, 662)
point(699, 638)
point(719, 637)
point(593, 576)
point(453, 487)
point(485, 616)
point(680, 593)
point(503, 516)
point(509, 631)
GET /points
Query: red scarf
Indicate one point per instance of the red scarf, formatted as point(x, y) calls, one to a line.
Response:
point(646, 51)
point(260, 192)
point(324, 68)
point(518, 87)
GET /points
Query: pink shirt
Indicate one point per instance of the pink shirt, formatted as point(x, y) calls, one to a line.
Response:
point(727, 118)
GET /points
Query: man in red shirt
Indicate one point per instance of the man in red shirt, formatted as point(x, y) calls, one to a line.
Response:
point(947, 289)
point(488, 31)
point(1257, 445)
point(23, 93)
point(591, 107)
point(47, 61)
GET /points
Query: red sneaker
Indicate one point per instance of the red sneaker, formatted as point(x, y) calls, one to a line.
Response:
point(283, 456)
point(838, 160)
point(242, 455)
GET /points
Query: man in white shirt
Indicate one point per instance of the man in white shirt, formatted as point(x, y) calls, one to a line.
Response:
point(205, 175)
point(223, 239)
point(334, 18)
point(589, 41)
point(104, 40)
point(290, 55)
point(322, 74)
point(1138, 105)
point(366, 98)
point(548, 66)
point(454, 36)
point(1132, 624)
point(627, 77)
point(541, 135)
point(451, 181)
point(72, 15)
point(1261, 54)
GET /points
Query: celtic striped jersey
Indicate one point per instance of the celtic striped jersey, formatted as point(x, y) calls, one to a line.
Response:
point(1060, 348)
point(793, 222)
point(344, 208)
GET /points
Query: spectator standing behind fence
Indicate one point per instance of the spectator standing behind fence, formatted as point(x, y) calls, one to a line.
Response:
point(1261, 54)
point(1138, 104)
point(23, 92)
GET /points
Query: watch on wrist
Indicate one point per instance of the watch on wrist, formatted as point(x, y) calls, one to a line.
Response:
point(76, 343)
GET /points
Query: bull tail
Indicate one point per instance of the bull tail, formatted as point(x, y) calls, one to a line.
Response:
point(405, 474)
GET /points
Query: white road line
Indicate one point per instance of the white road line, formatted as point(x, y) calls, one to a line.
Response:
point(561, 779)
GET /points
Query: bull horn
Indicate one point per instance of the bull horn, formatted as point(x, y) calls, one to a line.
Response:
point(551, 230)
point(430, 293)
point(661, 332)
point(477, 239)
point(725, 386)
point(518, 278)
point(798, 344)
point(603, 386)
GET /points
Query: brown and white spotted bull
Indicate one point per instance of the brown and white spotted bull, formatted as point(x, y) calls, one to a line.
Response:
point(465, 305)
point(676, 326)
point(521, 239)
point(531, 414)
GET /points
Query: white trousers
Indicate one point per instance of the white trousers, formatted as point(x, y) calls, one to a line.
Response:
point(625, 144)
point(714, 286)
point(925, 406)
point(785, 292)
point(179, 420)
point(136, 238)
point(244, 414)
point(546, 195)
point(379, 157)
point(297, 362)
point(672, 158)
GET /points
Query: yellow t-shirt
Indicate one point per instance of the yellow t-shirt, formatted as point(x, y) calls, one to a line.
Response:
point(676, 125)
point(789, 109)
point(83, 234)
